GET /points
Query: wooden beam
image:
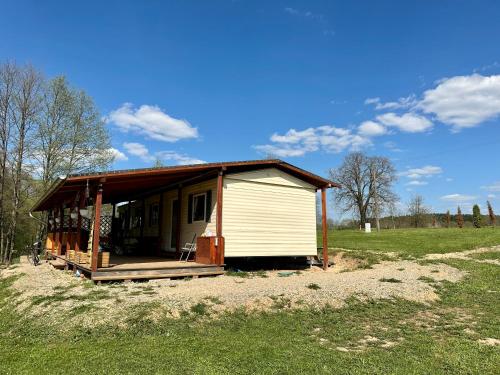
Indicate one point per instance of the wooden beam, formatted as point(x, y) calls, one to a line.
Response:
point(113, 237)
point(61, 230)
point(179, 222)
point(218, 223)
point(97, 229)
point(325, 228)
point(81, 203)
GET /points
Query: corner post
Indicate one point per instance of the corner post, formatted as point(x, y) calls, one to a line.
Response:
point(97, 229)
point(218, 223)
point(325, 228)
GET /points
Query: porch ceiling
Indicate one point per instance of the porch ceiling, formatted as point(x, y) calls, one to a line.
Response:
point(123, 185)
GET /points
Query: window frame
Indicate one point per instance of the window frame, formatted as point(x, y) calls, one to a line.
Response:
point(204, 219)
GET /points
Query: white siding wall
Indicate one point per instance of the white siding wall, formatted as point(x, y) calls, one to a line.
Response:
point(268, 213)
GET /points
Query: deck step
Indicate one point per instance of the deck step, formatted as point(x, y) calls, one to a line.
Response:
point(157, 273)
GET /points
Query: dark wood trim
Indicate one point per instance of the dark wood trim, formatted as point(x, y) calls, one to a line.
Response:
point(325, 228)
point(97, 229)
point(81, 203)
point(179, 221)
point(113, 214)
point(143, 223)
point(161, 221)
point(61, 230)
point(220, 186)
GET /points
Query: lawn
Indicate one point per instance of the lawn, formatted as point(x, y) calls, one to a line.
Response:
point(415, 242)
point(365, 337)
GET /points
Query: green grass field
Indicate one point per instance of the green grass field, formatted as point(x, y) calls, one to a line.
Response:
point(415, 242)
point(440, 338)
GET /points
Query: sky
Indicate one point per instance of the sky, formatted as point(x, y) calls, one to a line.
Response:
point(306, 81)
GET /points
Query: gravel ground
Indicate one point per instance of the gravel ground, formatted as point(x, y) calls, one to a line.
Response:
point(465, 255)
point(44, 290)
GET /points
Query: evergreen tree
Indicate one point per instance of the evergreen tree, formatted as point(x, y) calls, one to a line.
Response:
point(491, 214)
point(460, 218)
point(476, 216)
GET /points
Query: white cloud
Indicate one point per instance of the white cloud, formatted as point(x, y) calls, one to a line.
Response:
point(371, 129)
point(491, 196)
point(405, 102)
point(138, 149)
point(408, 122)
point(457, 198)
point(392, 146)
point(180, 159)
point(423, 172)
point(464, 101)
point(151, 122)
point(494, 187)
point(448, 179)
point(417, 183)
point(117, 154)
point(141, 151)
point(327, 138)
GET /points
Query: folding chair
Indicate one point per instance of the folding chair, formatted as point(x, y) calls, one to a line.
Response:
point(189, 247)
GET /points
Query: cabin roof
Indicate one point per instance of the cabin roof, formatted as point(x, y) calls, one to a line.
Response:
point(129, 184)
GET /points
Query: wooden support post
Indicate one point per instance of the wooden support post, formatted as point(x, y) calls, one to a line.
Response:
point(69, 236)
point(325, 228)
point(61, 230)
point(218, 222)
point(97, 229)
point(160, 225)
point(179, 222)
point(81, 203)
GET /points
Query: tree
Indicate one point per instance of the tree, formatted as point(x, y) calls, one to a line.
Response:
point(447, 219)
point(364, 182)
point(26, 105)
point(491, 214)
point(71, 135)
point(460, 218)
point(476, 216)
point(417, 210)
point(8, 80)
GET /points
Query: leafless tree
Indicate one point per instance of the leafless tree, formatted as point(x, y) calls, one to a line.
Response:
point(364, 181)
point(8, 79)
point(417, 210)
point(26, 105)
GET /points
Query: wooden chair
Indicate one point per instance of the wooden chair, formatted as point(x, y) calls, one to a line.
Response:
point(189, 247)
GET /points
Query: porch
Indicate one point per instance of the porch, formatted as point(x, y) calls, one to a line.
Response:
point(141, 267)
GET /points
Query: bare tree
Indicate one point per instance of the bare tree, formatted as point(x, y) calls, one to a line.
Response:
point(26, 104)
point(364, 182)
point(417, 210)
point(8, 78)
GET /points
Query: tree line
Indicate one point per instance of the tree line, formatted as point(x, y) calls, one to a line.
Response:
point(47, 129)
point(366, 193)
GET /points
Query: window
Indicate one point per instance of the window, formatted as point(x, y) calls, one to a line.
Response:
point(154, 214)
point(199, 207)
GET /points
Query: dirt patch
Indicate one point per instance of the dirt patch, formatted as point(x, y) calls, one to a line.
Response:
point(44, 290)
point(489, 341)
point(466, 255)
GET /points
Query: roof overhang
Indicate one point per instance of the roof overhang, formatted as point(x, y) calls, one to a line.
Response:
point(124, 185)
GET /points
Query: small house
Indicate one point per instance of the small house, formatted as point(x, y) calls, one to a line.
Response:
point(144, 217)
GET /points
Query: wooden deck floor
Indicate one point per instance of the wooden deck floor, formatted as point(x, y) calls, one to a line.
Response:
point(136, 267)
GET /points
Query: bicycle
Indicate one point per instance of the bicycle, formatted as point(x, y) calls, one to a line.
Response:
point(33, 253)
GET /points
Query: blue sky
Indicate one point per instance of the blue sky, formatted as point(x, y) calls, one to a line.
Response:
point(188, 81)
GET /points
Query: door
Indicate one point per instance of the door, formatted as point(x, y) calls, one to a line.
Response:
point(174, 223)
